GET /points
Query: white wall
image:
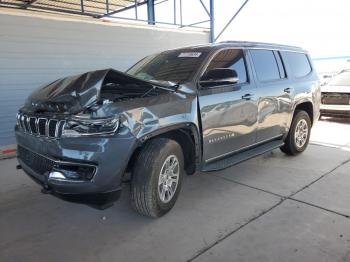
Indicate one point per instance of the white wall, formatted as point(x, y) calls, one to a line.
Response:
point(36, 49)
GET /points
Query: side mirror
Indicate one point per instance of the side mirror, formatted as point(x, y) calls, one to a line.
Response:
point(219, 76)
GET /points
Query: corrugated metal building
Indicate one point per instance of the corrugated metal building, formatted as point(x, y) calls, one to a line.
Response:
point(38, 48)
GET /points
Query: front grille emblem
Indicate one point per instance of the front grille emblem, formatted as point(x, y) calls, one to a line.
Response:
point(40, 126)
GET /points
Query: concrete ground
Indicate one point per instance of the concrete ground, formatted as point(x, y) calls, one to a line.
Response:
point(271, 208)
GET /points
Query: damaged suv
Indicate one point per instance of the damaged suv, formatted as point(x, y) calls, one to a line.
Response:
point(201, 108)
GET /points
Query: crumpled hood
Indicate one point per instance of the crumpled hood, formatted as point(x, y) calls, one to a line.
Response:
point(335, 89)
point(73, 94)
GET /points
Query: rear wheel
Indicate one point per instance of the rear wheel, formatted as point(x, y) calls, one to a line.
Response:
point(299, 134)
point(157, 177)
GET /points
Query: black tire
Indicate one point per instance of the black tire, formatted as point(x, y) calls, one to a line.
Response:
point(290, 146)
point(145, 196)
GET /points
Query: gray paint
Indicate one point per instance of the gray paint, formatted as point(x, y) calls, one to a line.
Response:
point(38, 49)
point(231, 123)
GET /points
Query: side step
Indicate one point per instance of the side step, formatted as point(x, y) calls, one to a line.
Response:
point(241, 156)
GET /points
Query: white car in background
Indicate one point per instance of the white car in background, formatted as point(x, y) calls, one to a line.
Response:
point(335, 99)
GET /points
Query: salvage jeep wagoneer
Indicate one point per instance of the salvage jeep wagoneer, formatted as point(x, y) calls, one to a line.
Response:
point(180, 111)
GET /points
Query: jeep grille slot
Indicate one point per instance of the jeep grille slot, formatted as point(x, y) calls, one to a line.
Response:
point(32, 125)
point(52, 127)
point(40, 126)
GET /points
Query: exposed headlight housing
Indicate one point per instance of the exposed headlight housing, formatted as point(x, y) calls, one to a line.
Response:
point(78, 126)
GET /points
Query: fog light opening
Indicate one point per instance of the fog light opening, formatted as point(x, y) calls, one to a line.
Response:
point(72, 173)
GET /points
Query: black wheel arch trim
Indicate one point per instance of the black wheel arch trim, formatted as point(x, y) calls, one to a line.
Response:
point(302, 101)
point(194, 130)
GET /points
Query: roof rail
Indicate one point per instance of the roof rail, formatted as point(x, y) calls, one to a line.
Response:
point(259, 44)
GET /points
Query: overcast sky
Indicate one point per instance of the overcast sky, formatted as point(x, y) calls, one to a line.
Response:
point(320, 26)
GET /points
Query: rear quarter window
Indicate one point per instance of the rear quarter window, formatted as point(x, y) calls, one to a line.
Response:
point(298, 63)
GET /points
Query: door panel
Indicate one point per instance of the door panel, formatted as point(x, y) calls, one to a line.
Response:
point(274, 100)
point(228, 122)
point(228, 115)
point(273, 109)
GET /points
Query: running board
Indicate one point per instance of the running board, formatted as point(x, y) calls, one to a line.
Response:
point(241, 156)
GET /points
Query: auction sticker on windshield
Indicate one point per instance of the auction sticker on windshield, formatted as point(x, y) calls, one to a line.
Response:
point(190, 54)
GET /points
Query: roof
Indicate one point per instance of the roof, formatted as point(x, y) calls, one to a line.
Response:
point(245, 44)
point(261, 45)
point(86, 7)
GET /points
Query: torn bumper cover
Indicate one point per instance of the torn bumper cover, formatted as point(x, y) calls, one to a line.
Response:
point(92, 165)
point(80, 169)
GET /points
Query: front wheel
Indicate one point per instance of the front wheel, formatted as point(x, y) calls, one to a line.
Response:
point(157, 177)
point(299, 134)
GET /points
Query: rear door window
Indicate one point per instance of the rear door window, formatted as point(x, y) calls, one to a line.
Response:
point(299, 63)
point(265, 65)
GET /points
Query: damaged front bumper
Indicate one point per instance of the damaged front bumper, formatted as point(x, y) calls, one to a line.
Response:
point(88, 170)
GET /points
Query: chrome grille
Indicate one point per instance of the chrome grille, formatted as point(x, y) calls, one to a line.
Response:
point(40, 126)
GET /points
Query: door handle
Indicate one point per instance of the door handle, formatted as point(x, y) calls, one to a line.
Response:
point(247, 96)
point(287, 90)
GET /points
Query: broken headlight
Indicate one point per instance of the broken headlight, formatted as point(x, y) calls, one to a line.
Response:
point(86, 126)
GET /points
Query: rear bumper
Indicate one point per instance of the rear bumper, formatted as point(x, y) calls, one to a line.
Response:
point(335, 110)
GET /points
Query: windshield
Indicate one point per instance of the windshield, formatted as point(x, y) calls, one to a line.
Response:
point(342, 79)
point(176, 66)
